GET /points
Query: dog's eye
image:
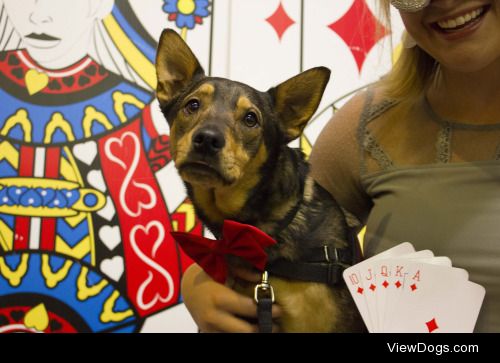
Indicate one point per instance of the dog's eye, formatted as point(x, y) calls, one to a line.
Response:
point(192, 105)
point(250, 119)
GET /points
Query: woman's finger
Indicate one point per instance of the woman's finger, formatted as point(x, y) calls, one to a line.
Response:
point(246, 274)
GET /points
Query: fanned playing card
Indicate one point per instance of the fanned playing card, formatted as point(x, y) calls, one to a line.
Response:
point(359, 285)
point(390, 279)
point(403, 290)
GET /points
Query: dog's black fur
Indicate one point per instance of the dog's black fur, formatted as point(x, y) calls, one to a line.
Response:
point(229, 143)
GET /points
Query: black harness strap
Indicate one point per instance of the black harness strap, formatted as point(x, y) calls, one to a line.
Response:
point(326, 273)
point(321, 264)
point(329, 254)
point(325, 265)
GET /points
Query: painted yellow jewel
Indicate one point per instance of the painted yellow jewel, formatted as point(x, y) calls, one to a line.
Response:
point(108, 313)
point(121, 99)
point(14, 276)
point(52, 279)
point(85, 291)
point(35, 81)
point(37, 318)
point(20, 118)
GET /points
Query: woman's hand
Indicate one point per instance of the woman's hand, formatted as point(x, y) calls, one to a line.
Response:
point(215, 307)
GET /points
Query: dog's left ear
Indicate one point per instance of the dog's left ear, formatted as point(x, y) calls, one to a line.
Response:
point(297, 99)
point(176, 66)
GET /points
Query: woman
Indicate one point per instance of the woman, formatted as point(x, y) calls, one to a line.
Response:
point(414, 158)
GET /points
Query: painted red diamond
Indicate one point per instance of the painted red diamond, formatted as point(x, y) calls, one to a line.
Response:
point(360, 290)
point(360, 30)
point(373, 287)
point(398, 284)
point(280, 21)
point(432, 325)
point(413, 287)
point(385, 284)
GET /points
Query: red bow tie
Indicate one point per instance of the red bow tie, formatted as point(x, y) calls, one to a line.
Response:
point(242, 240)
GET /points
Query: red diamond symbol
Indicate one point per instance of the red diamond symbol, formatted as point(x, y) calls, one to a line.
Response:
point(360, 30)
point(373, 287)
point(360, 290)
point(385, 284)
point(413, 287)
point(398, 284)
point(432, 325)
point(280, 21)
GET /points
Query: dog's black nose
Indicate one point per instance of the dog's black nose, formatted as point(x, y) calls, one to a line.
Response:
point(208, 140)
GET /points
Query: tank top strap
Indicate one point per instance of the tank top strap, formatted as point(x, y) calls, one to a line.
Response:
point(368, 144)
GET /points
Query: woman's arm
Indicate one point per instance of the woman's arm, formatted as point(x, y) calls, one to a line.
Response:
point(336, 159)
point(215, 307)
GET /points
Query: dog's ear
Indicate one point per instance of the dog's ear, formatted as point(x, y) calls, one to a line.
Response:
point(296, 99)
point(176, 66)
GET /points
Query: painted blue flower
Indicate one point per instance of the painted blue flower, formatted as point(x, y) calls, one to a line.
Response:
point(14, 193)
point(31, 199)
point(4, 197)
point(186, 13)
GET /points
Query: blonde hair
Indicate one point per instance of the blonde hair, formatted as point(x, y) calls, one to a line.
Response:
point(413, 71)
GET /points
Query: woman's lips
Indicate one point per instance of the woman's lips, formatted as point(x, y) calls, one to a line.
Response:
point(462, 25)
point(41, 40)
point(41, 36)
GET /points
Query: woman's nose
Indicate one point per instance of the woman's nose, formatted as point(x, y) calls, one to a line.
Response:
point(39, 19)
point(41, 13)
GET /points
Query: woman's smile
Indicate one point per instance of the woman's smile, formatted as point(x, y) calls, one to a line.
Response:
point(461, 24)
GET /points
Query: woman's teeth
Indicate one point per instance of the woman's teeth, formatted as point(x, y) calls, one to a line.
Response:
point(461, 20)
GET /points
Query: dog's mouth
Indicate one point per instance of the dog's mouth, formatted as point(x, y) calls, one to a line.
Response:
point(199, 172)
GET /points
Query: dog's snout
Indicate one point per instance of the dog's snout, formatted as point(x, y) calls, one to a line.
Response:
point(208, 140)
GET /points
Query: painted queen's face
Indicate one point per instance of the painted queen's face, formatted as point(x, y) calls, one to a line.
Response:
point(55, 32)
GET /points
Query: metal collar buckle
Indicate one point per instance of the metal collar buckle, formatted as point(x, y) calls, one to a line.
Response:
point(264, 289)
point(327, 254)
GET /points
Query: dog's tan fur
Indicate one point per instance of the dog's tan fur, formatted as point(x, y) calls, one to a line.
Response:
point(229, 179)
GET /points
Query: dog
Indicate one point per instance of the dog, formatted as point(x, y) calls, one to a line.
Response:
point(229, 143)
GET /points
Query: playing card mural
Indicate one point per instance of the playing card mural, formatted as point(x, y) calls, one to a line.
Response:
point(84, 221)
point(88, 192)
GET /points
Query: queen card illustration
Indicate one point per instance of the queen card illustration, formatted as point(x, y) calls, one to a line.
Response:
point(84, 207)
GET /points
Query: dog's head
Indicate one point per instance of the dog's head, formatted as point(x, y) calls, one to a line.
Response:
point(221, 130)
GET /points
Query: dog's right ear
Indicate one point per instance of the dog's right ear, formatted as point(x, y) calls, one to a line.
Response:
point(297, 99)
point(176, 66)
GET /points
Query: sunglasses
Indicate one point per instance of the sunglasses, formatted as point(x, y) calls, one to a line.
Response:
point(410, 5)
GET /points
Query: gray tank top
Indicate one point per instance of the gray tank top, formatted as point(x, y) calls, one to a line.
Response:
point(450, 205)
